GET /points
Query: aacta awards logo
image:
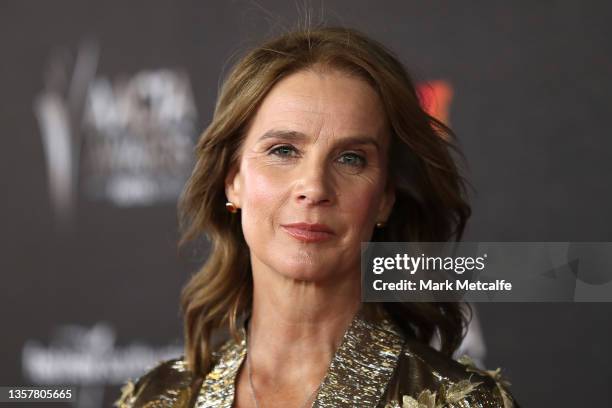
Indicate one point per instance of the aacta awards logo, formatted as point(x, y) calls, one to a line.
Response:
point(127, 140)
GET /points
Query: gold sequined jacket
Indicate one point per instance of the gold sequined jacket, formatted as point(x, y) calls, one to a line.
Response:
point(374, 367)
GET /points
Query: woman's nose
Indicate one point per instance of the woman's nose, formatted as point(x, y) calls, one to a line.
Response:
point(315, 184)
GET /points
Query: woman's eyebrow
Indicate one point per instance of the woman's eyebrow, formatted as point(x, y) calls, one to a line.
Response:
point(359, 140)
point(289, 135)
point(295, 136)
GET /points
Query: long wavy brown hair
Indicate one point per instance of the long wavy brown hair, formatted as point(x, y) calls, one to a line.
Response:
point(430, 203)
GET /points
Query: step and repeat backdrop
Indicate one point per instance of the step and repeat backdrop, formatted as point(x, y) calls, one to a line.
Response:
point(103, 101)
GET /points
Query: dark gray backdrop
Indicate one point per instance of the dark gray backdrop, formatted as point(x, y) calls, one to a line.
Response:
point(531, 101)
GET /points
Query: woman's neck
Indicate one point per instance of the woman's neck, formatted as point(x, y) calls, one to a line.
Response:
point(293, 322)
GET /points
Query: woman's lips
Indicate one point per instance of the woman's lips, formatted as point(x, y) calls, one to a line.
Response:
point(306, 235)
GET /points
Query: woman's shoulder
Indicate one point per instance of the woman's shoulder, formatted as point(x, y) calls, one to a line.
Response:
point(167, 382)
point(429, 378)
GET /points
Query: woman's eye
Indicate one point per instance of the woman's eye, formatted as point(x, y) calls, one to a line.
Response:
point(353, 159)
point(349, 159)
point(282, 151)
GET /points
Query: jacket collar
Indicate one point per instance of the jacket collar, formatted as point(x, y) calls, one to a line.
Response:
point(357, 376)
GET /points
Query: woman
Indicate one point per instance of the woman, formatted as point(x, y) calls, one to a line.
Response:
point(317, 143)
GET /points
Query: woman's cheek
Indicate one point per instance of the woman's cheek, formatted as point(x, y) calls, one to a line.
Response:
point(364, 201)
point(362, 210)
point(263, 191)
point(265, 183)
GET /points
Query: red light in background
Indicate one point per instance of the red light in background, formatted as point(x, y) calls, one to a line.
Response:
point(436, 97)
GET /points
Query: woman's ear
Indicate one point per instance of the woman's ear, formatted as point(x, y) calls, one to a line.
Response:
point(232, 185)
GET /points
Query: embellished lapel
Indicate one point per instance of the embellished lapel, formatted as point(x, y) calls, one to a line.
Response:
point(362, 366)
point(357, 376)
point(218, 388)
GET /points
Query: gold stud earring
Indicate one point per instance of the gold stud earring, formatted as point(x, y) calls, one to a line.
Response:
point(380, 224)
point(231, 207)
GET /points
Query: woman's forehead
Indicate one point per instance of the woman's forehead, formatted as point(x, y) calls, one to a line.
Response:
point(329, 102)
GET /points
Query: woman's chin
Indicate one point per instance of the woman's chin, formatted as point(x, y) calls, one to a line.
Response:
point(309, 272)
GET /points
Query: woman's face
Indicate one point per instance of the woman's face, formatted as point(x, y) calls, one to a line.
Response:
point(315, 153)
